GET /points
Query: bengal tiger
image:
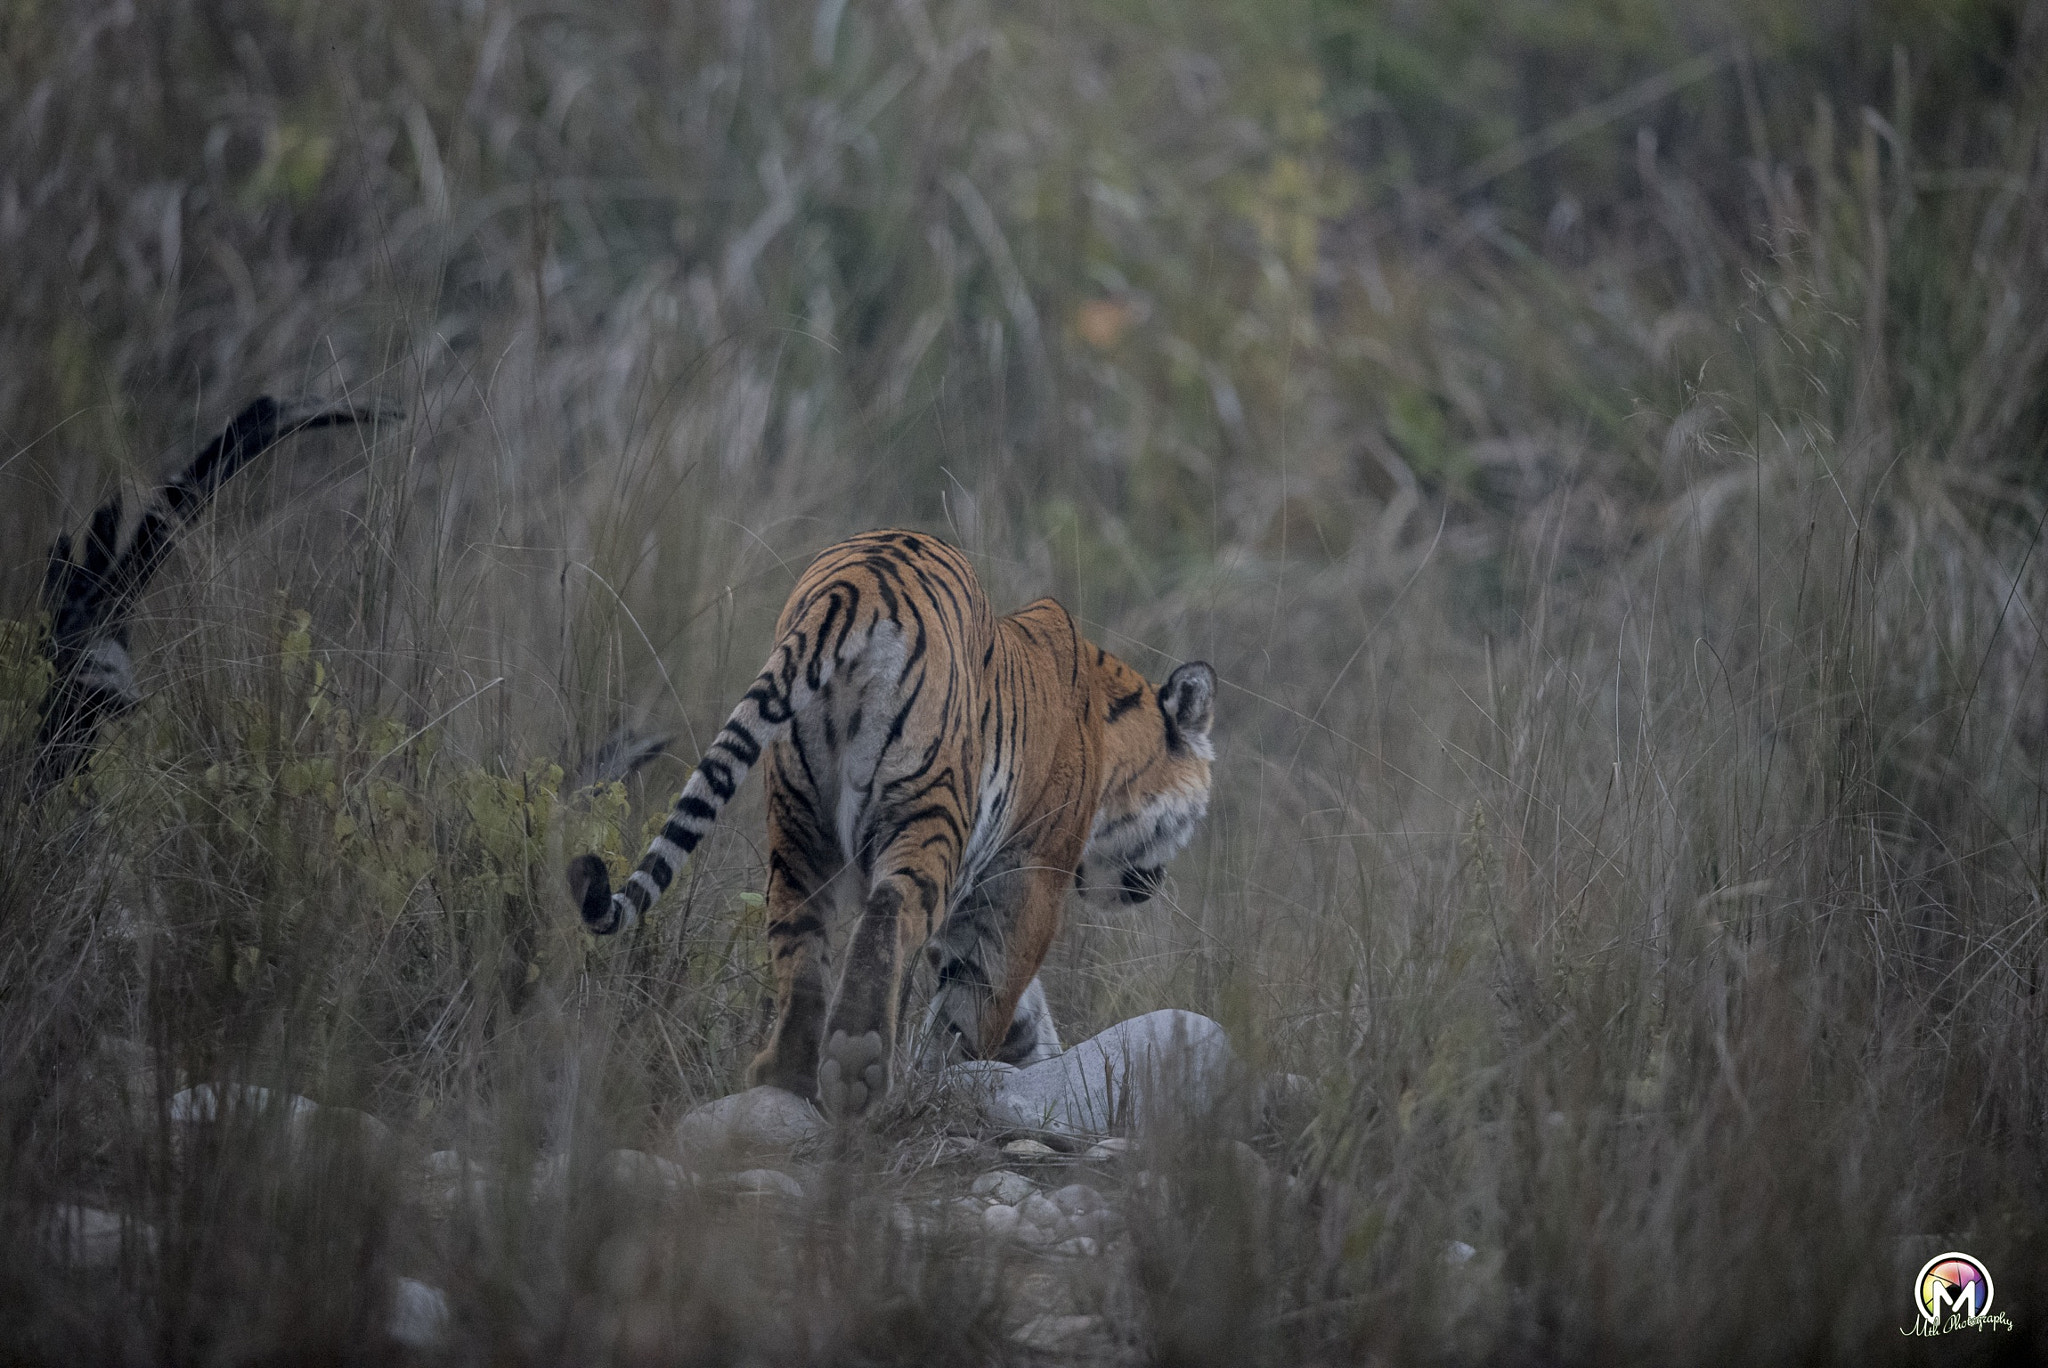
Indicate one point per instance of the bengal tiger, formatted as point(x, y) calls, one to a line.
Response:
point(952, 772)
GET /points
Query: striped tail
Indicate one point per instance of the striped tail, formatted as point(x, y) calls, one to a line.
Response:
point(800, 666)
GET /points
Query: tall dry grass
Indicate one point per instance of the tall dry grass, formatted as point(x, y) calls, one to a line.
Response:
point(1622, 571)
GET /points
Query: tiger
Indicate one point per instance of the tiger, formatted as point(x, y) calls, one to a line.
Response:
point(944, 775)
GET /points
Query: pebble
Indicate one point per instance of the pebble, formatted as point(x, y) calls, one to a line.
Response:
point(419, 1314)
point(448, 1166)
point(1039, 1210)
point(766, 1182)
point(1038, 1236)
point(644, 1172)
point(1458, 1252)
point(1080, 1247)
point(1003, 1185)
point(1114, 1147)
point(1055, 1334)
point(205, 1103)
point(1028, 1149)
point(999, 1219)
point(1076, 1199)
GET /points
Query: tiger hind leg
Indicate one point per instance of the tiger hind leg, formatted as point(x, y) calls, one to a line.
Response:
point(860, 1033)
point(804, 878)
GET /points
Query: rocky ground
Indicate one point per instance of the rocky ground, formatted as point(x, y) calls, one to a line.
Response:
point(1039, 1172)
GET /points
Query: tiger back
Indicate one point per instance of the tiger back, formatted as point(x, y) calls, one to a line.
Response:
point(940, 775)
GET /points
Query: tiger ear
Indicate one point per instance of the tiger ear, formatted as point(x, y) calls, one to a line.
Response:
point(1189, 697)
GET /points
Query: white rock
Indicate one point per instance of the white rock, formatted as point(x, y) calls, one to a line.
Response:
point(1039, 1210)
point(1080, 1247)
point(1077, 1199)
point(448, 1166)
point(419, 1314)
point(1099, 1224)
point(1037, 1236)
point(1056, 1334)
point(763, 1118)
point(766, 1182)
point(1003, 1186)
point(1028, 1149)
point(1112, 1147)
point(999, 1219)
point(981, 1075)
point(644, 1172)
point(206, 1103)
point(1133, 1075)
point(1458, 1252)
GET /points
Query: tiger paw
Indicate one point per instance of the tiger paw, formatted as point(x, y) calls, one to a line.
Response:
point(854, 1074)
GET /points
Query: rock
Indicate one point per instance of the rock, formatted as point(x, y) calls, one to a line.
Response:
point(1250, 1167)
point(1113, 1147)
point(446, 1176)
point(757, 1120)
point(1136, 1074)
point(1035, 1235)
point(1003, 1186)
point(448, 1166)
point(1458, 1252)
point(1056, 1334)
point(419, 1314)
point(1080, 1247)
point(1039, 1210)
point(766, 1182)
point(88, 1237)
point(643, 1172)
point(1029, 1149)
point(999, 1220)
point(1078, 1199)
point(206, 1103)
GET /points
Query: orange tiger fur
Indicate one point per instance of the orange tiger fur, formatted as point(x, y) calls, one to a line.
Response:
point(949, 771)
